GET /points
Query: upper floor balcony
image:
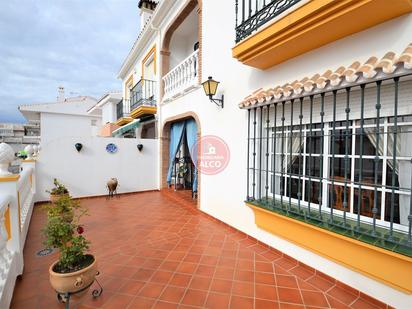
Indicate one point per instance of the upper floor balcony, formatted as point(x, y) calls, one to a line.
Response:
point(180, 53)
point(123, 112)
point(183, 77)
point(251, 15)
point(143, 98)
point(271, 32)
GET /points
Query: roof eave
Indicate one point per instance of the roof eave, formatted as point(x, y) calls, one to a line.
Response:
point(154, 22)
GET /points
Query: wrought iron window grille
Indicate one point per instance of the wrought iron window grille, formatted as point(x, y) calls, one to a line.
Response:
point(338, 158)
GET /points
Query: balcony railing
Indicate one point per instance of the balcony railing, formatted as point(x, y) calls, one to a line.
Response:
point(143, 93)
point(250, 15)
point(182, 77)
point(123, 108)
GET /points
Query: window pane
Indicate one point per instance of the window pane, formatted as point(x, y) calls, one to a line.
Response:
point(368, 171)
point(388, 202)
point(389, 175)
point(312, 192)
point(339, 168)
point(369, 141)
point(295, 184)
point(337, 195)
point(367, 201)
point(313, 166)
point(314, 140)
point(340, 141)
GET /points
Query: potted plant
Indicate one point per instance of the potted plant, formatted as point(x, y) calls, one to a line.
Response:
point(75, 270)
point(58, 191)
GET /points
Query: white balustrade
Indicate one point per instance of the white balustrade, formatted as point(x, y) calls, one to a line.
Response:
point(16, 206)
point(5, 254)
point(183, 77)
point(26, 193)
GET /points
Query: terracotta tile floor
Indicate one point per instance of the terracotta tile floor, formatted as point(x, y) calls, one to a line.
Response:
point(155, 250)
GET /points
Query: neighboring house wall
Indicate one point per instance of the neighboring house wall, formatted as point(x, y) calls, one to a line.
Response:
point(223, 195)
point(109, 113)
point(56, 126)
point(86, 173)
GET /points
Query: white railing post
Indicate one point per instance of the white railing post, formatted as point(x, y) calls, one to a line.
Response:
point(182, 77)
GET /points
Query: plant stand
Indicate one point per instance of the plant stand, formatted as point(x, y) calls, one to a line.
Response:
point(65, 297)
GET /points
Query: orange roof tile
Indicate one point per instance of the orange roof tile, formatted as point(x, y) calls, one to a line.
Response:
point(387, 64)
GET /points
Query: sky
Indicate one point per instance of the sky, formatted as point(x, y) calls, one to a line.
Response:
point(78, 44)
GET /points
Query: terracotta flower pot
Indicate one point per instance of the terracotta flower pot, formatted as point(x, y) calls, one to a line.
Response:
point(74, 281)
point(54, 197)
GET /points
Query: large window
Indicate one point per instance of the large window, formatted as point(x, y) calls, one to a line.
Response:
point(341, 157)
point(306, 156)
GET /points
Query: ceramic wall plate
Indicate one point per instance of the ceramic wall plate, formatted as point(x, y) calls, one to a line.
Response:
point(111, 148)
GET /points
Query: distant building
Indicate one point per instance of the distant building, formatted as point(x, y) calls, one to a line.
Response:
point(19, 135)
point(107, 106)
point(65, 117)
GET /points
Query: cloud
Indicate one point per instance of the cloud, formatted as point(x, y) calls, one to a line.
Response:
point(79, 44)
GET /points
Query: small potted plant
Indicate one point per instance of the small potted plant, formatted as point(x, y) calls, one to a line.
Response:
point(75, 270)
point(58, 191)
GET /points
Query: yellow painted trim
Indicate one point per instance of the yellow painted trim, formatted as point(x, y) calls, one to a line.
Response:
point(19, 208)
point(152, 51)
point(383, 265)
point(29, 160)
point(14, 177)
point(7, 222)
point(316, 23)
point(143, 110)
point(124, 120)
point(128, 86)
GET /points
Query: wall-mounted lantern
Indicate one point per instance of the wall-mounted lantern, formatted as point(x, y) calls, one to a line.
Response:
point(140, 147)
point(210, 88)
point(78, 146)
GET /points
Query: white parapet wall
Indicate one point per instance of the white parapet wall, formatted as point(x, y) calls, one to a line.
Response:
point(86, 172)
point(16, 206)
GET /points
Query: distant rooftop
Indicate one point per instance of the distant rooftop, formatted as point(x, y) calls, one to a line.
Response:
point(78, 105)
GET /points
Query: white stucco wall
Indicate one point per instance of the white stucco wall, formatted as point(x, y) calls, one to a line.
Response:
point(223, 195)
point(63, 125)
point(183, 40)
point(136, 68)
point(86, 173)
point(109, 113)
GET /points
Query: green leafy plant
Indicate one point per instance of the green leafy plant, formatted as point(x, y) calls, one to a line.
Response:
point(64, 232)
point(59, 188)
point(183, 170)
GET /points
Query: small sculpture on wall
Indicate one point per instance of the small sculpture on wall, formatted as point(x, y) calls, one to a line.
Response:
point(112, 185)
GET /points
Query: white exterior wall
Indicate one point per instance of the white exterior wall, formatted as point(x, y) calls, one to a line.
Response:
point(183, 40)
point(86, 173)
point(56, 126)
point(223, 195)
point(109, 113)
